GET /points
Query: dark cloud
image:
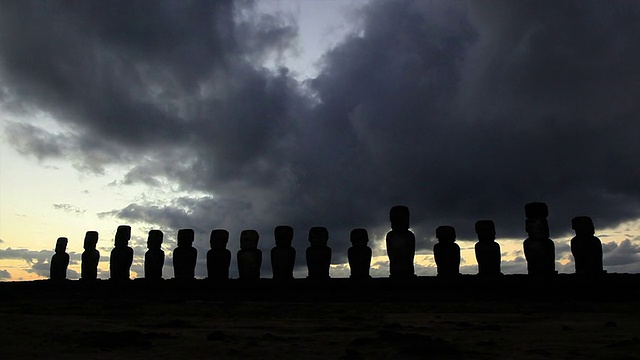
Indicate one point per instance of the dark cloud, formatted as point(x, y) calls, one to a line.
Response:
point(563, 249)
point(5, 275)
point(42, 268)
point(516, 266)
point(69, 208)
point(30, 256)
point(462, 111)
point(38, 261)
point(622, 257)
point(430, 109)
point(31, 140)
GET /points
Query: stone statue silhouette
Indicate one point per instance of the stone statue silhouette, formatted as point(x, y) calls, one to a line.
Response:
point(539, 250)
point(401, 244)
point(359, 254)
point(90, 257)
point(446, 252)
point(154, 257)
point(219, 257)
point(59, 260)
point(283, 255)
point(487, 249)
point(318, 254)
point(249, 256)
point(585, 247)
point(185, 256)
point(121, 255)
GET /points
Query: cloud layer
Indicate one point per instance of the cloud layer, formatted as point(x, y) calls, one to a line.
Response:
point(461, 111)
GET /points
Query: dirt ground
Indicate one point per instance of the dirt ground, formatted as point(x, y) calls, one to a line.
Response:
point(512, 317)
point(250, 330)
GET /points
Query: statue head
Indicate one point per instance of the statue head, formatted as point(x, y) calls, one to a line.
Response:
point(446, 234)
point(90, 240)
point(154, 241)
point(583, 225)
point(185, 237)
point(399, 217)
point(486, 230)
point(219, 239)
point(536, 210)
point(249, 239)
point(61, 244)
point(359, 237)
point(537, 228)
point(123, 235)
point(318, 236)
point(283, 235)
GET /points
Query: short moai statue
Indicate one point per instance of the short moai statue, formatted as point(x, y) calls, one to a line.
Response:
point(185, 256)
point(446, 252)
point(585, 247)
point(154, 257)
point(219, 257)
point(249, 256)
point(539, 250)
point(121, 255)
point(90, 257)
point(283, 255)
point(401, 244)
point(359, 254)
point(59, 260)
point(318, 254)
point(487, 249)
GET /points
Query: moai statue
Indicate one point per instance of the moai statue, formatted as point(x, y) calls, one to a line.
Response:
point(359, 254)
point(249, 256)
point(154, 257)
point(487, 249)
point(401, 244)
point(185, 256)
point(283, 255)
point(59, 260)
point(219, 257)
point(318, 254)
point(90, 257)
point(585, 247)
point(446, 252)
point(121, 255)
point(539, 250)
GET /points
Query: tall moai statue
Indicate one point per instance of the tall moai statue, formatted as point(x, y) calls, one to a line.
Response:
point(121, 255)
point(219, 257)
point(59, 260)
point(154, 257)
point(185, 256)
point(249, 256)
point(446, 252)
point(401, 244)
point(359, 254)
point(539, 250)
point(318, 254)
point(487, 249)
point(90, 257)
point(283, 255)
point(585, 247)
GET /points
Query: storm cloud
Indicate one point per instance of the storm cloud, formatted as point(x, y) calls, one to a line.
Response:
point(460, 110)
point(5, 275)
point(38, 262)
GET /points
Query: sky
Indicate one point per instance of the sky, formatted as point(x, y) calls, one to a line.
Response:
point(252, 114)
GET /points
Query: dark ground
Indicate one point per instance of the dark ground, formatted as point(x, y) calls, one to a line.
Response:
point(564, 317)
